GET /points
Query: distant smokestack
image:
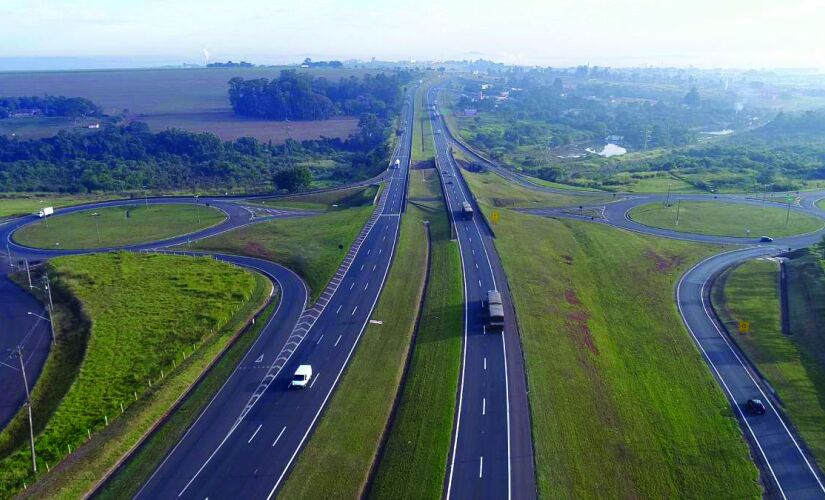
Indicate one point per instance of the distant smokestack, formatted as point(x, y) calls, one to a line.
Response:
point(206, 56)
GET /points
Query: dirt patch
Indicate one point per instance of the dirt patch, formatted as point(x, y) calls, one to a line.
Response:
point(571, 297)
point(423, 165)
point(255, 249)
point(568, 259)
point(577, 321)
point(663, 262)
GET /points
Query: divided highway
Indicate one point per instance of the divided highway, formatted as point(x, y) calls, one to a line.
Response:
point(492, 451)
point(244, 444)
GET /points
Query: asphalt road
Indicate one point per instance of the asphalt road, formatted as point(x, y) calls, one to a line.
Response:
point(245, 443)
point(492, 451)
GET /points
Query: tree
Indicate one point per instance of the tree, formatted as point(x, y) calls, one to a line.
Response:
point(558, 85)
point(820, 247)
point(692, 97)
point(293, 178)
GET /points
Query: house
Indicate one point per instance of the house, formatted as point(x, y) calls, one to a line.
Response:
point(93, 126)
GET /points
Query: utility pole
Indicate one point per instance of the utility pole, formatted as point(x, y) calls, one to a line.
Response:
point(678, 205)
point(198, 210)
point(146, 196)
point(667, 202)
point(28, 273)
point(97, 226)
point(11, 263)
point(788, 217)
point(19, 352)
point(48, 287)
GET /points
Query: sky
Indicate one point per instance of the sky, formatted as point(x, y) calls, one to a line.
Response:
point(700, 33)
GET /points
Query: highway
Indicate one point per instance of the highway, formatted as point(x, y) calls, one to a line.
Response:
point(246, 441)
point(492, 452)
point(788, 469)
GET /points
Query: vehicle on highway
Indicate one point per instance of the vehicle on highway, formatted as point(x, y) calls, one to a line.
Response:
point(45, 212)
point(756, 407)
point(302, 377)
point(765, 239)
point(397, 163)
point(437, 132)
point(495, 311)
point(466, 210)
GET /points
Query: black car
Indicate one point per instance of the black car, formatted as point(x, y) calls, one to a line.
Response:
point(766, 239)
point(756, 407)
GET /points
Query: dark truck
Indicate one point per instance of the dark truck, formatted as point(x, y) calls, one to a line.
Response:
point(495, 311)
point(466, 210)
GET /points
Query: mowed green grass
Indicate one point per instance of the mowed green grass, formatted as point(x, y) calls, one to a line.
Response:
point(313, 247)
point(793, 364)
point(821, 204)
point(337, 460)
point(80, 229)
point(497, 192)
point(330, 200)
point(415, 458)
point(21, 204)
point(183, 304)
point(622, 404)
point(725, 219)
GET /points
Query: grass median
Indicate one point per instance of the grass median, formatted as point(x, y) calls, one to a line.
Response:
point(110, 402)
point(313, 247)
point(13, 204)
point(330, 200)
point(793, 364)
point(338, 457)
point(726, 219)
point(117, 226)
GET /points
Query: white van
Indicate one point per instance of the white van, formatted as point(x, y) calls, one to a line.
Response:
point(302, 376)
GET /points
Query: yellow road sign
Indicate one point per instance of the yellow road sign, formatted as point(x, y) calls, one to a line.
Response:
point(494, 216)
point(744, 326)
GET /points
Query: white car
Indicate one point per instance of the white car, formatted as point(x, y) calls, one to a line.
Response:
point(302, 377)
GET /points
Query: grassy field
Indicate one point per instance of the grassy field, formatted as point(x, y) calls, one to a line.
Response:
point(415, 459)
point(494, 191)
point(314, 248)
point(149, 91)
point(229, 126)
point(793, 364)
point(337, 460)
point(821, 204)
point(140, 467)
point(327, 201)
point(192, 98)
point(80, 229)
point(24, 204)
point(123, 356)
point(43, 126)
point(627, 408)
point(725, 219)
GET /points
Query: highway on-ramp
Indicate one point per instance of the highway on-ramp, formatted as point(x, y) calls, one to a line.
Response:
point(492, 450)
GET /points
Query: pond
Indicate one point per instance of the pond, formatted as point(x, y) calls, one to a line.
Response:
point(609, 150)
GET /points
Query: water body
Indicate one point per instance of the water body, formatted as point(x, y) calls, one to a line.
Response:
point(609, 150)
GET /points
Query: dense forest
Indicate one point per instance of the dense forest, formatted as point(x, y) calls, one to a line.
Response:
point(131, 157)
point(71, 107)
point(302, 96)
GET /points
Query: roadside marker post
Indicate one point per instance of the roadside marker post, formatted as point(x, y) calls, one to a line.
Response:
point(744, 327)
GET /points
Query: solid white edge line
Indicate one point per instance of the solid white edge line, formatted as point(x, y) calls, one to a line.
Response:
point(346, 361)
point(203, 412)
point(495, 287)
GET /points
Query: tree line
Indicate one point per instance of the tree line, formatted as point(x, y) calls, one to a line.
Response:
point(301, 96)
point(72, 107)
point(131, 157)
